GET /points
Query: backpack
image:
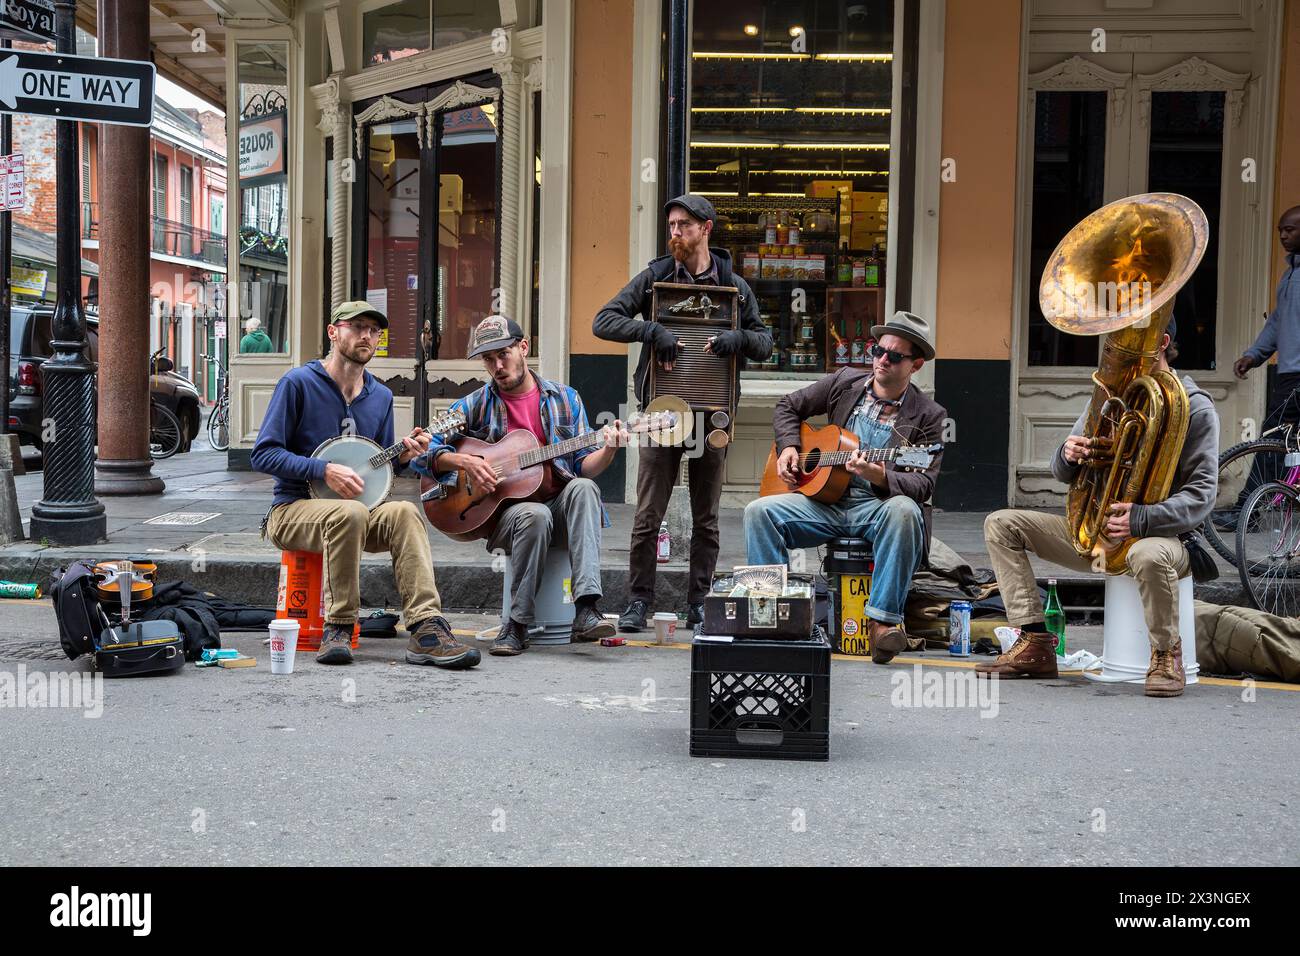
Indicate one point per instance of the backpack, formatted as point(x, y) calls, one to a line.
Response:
point(76, 607)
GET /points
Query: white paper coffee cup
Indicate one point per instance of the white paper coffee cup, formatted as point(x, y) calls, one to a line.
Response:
point(665, 627)
point(284, 645)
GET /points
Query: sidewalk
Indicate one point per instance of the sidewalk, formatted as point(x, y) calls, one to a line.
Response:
point(205, 528)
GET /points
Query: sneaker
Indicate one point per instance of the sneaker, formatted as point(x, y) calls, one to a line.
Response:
point(885, 640)
point(695, 613)
point(335, 645)
point(1032, 655)
point(589, 626)
point(1165, 677)
point(512, 639)
point(633, 619)
point(432, 643)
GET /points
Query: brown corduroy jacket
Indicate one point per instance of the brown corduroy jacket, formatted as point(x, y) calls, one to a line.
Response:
point(919, 420)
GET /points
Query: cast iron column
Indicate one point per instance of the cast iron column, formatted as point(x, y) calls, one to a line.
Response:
point(124, 466)
point(68, 513)
point(678, 63)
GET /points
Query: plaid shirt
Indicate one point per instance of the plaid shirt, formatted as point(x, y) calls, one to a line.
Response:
point(563, 417)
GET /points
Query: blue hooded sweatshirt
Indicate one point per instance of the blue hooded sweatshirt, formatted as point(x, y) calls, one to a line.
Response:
point(306, 409)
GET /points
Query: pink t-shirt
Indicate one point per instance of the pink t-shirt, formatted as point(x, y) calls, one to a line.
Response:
point(525, 411)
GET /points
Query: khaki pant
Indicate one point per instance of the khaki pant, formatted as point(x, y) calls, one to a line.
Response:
point(1155, 563)
point(340, 531)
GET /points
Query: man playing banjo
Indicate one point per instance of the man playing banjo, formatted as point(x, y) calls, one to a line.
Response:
point(319, 401)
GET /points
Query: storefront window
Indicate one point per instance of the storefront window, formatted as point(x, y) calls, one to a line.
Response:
point(262, 299)
point(403, 28)
point(1069, 183)
point(790, 123)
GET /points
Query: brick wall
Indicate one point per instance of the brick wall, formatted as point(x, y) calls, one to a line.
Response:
point(34, 137)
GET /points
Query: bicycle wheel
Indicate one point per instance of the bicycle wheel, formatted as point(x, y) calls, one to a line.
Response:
point(1268, 548)
point(1242, 469)
point(164, 432)
point(219, 427)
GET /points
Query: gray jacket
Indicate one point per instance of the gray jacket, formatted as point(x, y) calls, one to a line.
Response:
point(1196, 480)
point(1281, 333)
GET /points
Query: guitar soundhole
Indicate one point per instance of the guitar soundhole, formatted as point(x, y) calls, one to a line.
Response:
point(811, 460)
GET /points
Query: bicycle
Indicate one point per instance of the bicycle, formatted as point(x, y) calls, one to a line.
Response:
point(164, 432)
point(219, 419)
point(1268, 546)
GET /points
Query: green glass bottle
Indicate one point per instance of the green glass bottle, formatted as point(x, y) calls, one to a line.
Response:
point(1054, 617)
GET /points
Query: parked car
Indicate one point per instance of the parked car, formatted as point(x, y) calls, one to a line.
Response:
point(29, 345)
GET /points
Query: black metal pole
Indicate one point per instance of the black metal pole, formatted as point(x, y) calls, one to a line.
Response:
point(678, 64)
point(68, 512)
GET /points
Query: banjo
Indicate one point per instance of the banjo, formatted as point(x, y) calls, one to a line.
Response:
point(372, 463)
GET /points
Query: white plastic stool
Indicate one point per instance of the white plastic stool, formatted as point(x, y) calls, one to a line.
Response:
point(553, 609)
point(1126, 654)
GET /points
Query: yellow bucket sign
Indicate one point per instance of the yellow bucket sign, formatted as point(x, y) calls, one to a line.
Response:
point(851, 610)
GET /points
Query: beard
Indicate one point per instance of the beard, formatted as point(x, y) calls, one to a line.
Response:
point(681, 249)
point(512, 379)
point(354, 353)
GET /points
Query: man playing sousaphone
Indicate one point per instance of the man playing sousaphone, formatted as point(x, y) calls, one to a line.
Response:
point(1157, 559)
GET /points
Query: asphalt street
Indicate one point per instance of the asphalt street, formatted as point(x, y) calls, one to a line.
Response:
point(579, 756)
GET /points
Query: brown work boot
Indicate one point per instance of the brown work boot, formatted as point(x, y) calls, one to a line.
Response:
point(885, 640)
point(1032, 655)
point(1165, 676)
point(433, 643)
point(335, 645)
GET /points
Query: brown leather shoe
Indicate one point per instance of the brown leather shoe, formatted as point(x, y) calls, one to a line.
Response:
point(1165, 676)
point(1032, 655)
point(885, 640)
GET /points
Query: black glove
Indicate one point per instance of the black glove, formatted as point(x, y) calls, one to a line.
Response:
point(662, 341)
point(729, 342)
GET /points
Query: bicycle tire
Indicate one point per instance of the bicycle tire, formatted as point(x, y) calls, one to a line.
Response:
point(164, 432)
point(1268, 548)
point(1231, 485)
point(219, 427)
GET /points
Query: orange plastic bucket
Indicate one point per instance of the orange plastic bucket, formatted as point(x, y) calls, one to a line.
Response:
point(301, 598)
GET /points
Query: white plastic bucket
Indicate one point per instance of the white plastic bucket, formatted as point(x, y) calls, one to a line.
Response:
point(1126, 654)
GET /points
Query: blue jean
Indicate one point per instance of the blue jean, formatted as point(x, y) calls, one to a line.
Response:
point(894, 527)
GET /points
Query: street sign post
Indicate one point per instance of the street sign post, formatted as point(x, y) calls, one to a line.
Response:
point(12, 185)
point(77, 87)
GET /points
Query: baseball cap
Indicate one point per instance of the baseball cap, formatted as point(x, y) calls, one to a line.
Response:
point(494, 332)
point(355, 310)
point(697, 206)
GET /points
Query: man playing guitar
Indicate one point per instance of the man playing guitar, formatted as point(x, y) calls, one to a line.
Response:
point(887, 507)
point(319, 401)
point(514, 399)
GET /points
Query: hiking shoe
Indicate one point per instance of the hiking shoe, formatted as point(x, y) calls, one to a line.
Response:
point(1032, 655)
point(512, 639)
point(589, 625)
point(633, 619)
point(335, 645)
point(695, 613)
point(1165, 676)
point(432, 643)
point(885, 640)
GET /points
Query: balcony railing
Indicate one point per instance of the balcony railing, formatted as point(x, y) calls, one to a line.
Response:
point(168, 237)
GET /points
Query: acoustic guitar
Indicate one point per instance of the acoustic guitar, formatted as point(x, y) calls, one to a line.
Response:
point(467, 511)
point(823, 453)
point(372, 463)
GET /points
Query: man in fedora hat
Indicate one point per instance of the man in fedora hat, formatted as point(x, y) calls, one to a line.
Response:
point(888, 507)
point(627, 318)
point(322, 400)
point(516, 398)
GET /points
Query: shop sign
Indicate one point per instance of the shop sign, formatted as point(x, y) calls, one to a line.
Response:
point(262, 148)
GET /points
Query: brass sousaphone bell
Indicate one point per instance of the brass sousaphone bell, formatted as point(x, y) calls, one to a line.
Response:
point(1116, 274)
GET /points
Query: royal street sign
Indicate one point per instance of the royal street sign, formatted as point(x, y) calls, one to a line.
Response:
point(27, 19)
point(99, 90)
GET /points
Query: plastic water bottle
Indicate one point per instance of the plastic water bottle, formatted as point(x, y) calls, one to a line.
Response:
point(665, 543)
point(1054, 617)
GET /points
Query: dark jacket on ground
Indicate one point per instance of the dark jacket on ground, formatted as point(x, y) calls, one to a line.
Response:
point(1196, 479)
point(626, 317)
point(919, 420)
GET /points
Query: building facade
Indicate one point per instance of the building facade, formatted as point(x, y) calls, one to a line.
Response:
point(449, 159)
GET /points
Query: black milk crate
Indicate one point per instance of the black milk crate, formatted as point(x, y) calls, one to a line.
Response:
point(756, 698)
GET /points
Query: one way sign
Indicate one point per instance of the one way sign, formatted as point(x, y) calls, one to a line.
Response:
point(77, 87)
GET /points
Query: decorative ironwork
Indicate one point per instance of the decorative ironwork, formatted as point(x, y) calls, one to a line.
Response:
point(260, 104)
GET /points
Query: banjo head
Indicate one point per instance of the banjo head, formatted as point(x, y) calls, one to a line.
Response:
point(355, 452)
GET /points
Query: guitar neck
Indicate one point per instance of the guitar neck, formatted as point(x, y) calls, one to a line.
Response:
point(834, 458)
point(545, 453)
point(390, 453)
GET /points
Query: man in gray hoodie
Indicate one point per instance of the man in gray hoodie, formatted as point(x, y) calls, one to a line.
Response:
point(1156, 560)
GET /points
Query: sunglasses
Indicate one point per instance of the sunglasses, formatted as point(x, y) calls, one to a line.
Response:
point(361, 329)
point(879, 351)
